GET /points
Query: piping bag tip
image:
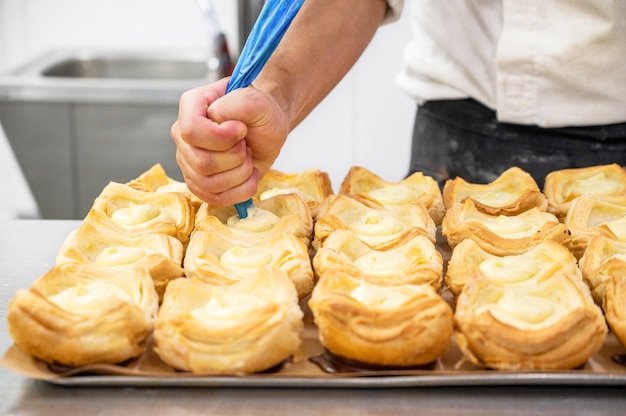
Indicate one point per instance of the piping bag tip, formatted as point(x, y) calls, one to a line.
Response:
point(242, 208)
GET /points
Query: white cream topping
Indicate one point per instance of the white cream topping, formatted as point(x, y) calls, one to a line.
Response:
point(89, 297)
point(379, 296)
point(525, 311)
point(135, 214)
point(174, 186)
point(595, 185)
point(509, 269)
point(382, 263)
point(375, 224)
point(258, 220)
point(393, 194)
point(281, 191)
point(495, 198)
point(119, 256)
point(513, 227)
point(618, 227)
point(227, 310)
point(246, 259)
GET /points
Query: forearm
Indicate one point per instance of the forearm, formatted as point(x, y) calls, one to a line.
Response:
point(323, 42)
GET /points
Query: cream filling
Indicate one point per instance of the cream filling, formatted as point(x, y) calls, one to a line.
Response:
point(393, 194)
point(510, 269)
point(381, 297)
point(511, 227)
point(135, 214)
point(258, 220)
point(382, 263)
point(595, 185)
point(495, 198)
point(247, 260)
point(375, 224)
point(174, 186)
point(224, 311)
point(89, 297)
point(119, 256)
point(618, 227)
point(282, 191)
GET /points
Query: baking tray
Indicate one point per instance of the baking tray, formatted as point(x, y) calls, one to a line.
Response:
point(313, 367)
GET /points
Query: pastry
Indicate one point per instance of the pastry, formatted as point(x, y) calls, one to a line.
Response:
point(378, 226)
point(77, 315)
point(563, 186)
point(500, 235)
point(155, 179)
point(542, 325)
point(246, 327)
point(312, 185)
point(160, 255)
point(512, 193)
point(470, 261)
point(590, 216)
point(280, 214)
point(414, 262)
point(125, 210)
point(218, 259)
point(414, 189)
point(405, 325)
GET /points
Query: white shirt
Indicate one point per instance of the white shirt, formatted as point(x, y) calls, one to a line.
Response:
point(550, 63)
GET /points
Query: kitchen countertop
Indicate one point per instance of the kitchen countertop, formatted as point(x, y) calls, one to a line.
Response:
point(28, 249)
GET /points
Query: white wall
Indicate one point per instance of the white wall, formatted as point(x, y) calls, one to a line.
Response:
point(366, 120)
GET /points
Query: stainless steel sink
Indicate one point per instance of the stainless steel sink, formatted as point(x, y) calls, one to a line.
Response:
point(77, 119)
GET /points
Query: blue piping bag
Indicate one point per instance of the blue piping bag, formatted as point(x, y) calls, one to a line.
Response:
point(268, 30)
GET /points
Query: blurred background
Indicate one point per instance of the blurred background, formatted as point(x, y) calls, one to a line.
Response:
point(69, 122)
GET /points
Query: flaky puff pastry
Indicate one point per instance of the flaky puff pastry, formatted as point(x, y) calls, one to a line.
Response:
point(548, 325)
point(604, 269)
point(246, 327)
point(218, 259)
point(417, 188)
point(78, 315)
point(591, 215)
point(511, 193)
point(156, 179)
point(125, 210)
point(280, 214)
point(469, 261)
point(415, 262)
point(405, 325)
point(500, 234)
point(563, 186)
point(160, 255)
point(311, 185)
point(378, 226)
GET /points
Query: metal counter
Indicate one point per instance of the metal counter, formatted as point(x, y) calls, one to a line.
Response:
point(28, 249)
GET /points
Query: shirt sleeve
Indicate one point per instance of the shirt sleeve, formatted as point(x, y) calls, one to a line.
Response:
point(394, 9)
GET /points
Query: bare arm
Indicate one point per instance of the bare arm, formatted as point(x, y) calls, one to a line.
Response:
point(225, 143)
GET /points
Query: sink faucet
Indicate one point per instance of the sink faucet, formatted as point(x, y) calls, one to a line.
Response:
point(218, 42)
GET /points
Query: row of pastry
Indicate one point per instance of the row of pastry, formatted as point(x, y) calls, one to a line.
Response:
point(523, 300)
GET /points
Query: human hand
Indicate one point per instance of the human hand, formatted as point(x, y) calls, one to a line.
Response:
point(226, 142)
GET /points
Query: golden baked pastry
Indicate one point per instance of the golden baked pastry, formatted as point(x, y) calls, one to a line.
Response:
point(414, 189)
point(469, 261)
point(415, 262)
point(312, 185)
point(246, 327)
point(500, 235)
point(123, 209)
point(511, 193)
point(218, 259)
point(604, 261)
point(614, 301)
point(563, 186)
point(591, 215)
point(378, 226)
point(160, 255)
point(77, 314)
point(551, 324)
point(156, 179)
point(405, 325)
